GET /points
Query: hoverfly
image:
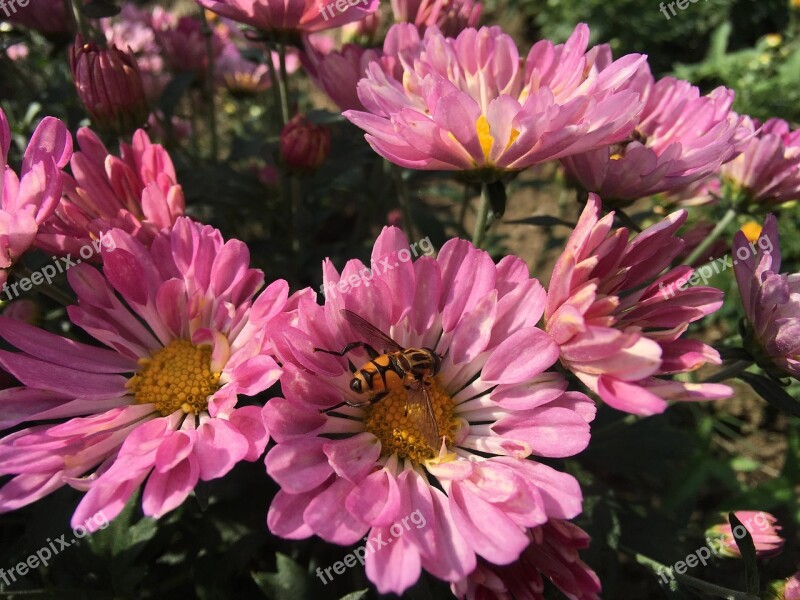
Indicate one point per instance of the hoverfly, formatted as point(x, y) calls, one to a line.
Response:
point(413, 368)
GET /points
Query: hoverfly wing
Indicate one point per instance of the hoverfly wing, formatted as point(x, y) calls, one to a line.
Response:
point(371, 333)
point(420, 412)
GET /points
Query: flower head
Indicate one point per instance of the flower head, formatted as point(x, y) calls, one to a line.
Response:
point(788, 589)
point(27, 200)
point(183, 42)
point(681, 137)
point(469, 103)
point(450, 16)
point(159, 405)
point(767, 172)
point(770, 300)
point(239, 75)
point(358, 470)
point(762, 526)
point(619, 320)
point(290, 17)
point(110, 87)
point(552, 553)
point(136, 191)
point(304, 145)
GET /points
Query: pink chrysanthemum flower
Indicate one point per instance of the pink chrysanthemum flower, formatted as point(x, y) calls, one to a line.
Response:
point(291, 16)
point(159, 405)
point(767, 172)
point(28, 200)
point(450, 16)
point(471, 104)
point(771, 301)
point(762, 526)
point(137, 192)
point(358, 472)
point(337, 72)
point(552, 553)
point(618, 320)
point(183, 42)
point(681, 137)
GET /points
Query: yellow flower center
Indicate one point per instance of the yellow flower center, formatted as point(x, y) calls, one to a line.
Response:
point(486, 138)
point(751, 231)
point(398, 429)
point(177, 377)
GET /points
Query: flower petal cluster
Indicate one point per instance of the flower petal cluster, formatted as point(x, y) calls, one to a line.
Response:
point(681, 137)
point(619, 319)
point(136, 191)
point(356, 471)
point(771, 301)
point(158, 405)
point(28, 199)
point(470, 103)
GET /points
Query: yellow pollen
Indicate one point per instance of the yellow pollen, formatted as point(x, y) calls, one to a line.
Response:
point(484, 136)
point(398, 431)
point(177, 377)
point(751, 231)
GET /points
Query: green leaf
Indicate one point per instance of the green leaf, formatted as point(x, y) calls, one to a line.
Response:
point(288, 583)
point(355, 595)
point(99, 9)
point(772, 392)
point(748, 550)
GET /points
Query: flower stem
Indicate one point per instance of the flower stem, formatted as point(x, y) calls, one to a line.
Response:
point(712, 237)
point(209, 91)
point(284, 83)
point(404, 200)
point(479, 233)
point(48, 290)
point(276, 92)
point(729, 372)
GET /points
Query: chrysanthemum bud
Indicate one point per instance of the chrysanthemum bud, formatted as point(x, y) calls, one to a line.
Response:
point(304, 146)
point(110, 87)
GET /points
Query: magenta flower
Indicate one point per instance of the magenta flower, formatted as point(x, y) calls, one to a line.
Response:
point(767, 172)
point(337, 72)
point(183, 43)
point(763, 528)
point(357, 472)
point(136, 192)
point(450, 16)
point(158, 406)
point(552, 553)
point(619, 320)
point(470, 104)
point(681, 137)
point(771, 301)
point(291, 16)
point(30, 198)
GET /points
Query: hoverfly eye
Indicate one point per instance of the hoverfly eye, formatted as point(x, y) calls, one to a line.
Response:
point(355, 385)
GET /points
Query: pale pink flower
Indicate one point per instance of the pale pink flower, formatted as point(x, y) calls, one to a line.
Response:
point(27, 200)
point(290, 16)
point(552, 553)
point(680, 137)
point(137, 192)
point(450, 16)
point(159, 405)
point(763, 528)
point(356, 472)
point(239, 75)
point(771, 301)
point(767, 172)
point(619, 318)
point(470, 103)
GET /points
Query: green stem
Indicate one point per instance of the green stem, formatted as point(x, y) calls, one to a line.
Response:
point(479, 233)
point(693, 582)
point(465, 198)
point(48, 290)
point(210, 87)
point(712, 237)
point(404, 199)
point(284, 84)
point(729, 372)
point(79, 20)
point(276, 92)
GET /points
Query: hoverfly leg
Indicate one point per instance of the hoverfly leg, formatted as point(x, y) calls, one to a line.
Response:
point(371, 352)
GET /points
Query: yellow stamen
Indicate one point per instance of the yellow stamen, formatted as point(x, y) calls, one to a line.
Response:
point(398, 431)
point(752, 231)
point(177, 377)
point(484, 136)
